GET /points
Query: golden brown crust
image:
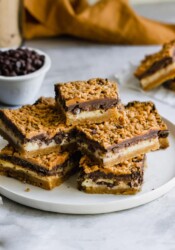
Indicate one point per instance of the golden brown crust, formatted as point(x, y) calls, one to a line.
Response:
point(147, 62)
point(48, 182)
point(140, 120)
point(164, 143)
point(107, 190)
point(81, 91)
point(42, 117)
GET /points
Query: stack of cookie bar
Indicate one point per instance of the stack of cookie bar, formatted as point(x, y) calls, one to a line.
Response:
point(112, 138)
point(158, 68)
point(45, 138)
point(36, 134)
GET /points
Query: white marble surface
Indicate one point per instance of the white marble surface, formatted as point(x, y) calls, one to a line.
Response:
point(149, 227)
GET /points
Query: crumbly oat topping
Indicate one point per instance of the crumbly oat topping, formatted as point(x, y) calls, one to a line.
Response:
point(48, 160)
point(125, 168)
point(166, 51)
point(141, 118)
point(42, 117)
point(92, 89)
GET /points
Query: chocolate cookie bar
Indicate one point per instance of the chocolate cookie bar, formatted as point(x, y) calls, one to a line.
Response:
point(35, 128)
point(45, 171)
point(122, 178)
point(157, 68)
point(95, 100)
point(108, 143)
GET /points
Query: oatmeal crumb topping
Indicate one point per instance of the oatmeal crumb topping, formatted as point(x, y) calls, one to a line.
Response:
point(42, 117)
point(92, 89)
point(127, 167)
point(166, 51)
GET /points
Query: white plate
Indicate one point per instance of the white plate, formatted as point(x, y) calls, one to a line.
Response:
point(159, 179)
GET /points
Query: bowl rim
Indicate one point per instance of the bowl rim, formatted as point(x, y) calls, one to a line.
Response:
point(43, 69)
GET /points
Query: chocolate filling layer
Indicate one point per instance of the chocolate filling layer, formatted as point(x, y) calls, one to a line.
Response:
point(130, 142)
point(34, 167)
point(157, 66)
point(91, 105)
point(163, 133)
point(94, 145)
point(134, 179)
point(73, 160)
point(103, 104)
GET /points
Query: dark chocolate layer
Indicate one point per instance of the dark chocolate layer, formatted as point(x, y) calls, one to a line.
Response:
point(91, 105)
point(163, 133)
point(93, 145)
point(133, 180)
point(170, 84)
point(103, 104)
point(34, 167)
point(133, 141)
point(73, 159)
point(157, 66)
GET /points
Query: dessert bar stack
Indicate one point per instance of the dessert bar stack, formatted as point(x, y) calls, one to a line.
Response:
point(158, 68)
point(112, 138)
point(45, 139)
point(36, 134)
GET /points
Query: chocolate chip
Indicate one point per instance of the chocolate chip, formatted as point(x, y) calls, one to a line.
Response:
point(76, 111)
point(20, 62)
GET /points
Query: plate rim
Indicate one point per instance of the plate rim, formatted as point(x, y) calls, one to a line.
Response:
point(93, 208)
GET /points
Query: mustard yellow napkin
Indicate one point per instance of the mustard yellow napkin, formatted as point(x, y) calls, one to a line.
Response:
point(109, 21)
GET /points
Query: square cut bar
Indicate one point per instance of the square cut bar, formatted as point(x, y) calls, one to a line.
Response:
point(157, 68)
point(122, 178)
point(45, 171)
point(93, 101)
point(108, 143)
point(35, 128)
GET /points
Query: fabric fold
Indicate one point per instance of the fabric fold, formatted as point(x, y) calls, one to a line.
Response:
point(107, 21)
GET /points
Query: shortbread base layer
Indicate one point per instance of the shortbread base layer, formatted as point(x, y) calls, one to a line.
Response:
point(106, 190)
point(97, 116)
point(31, 177)
point(123, 154)
point(158, 78)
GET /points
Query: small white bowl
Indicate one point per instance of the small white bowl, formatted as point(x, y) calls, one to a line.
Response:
point(21, 90)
